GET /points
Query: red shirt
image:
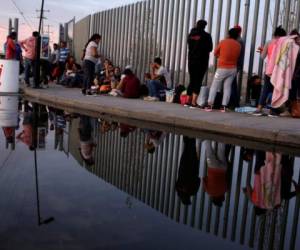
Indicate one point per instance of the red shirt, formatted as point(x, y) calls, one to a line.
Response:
point(131, 87)
point(10, 49)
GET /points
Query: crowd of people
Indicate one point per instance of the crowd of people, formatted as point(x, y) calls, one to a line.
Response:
point(98, 75)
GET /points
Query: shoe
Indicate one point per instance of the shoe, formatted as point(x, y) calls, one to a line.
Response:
point(193, 106)
point(257, 113)
point(208, 109)
point(273, 114)
point(83, 91)
point(223, 109)
point(147, 98)
point(285, 114)
point(151, 99)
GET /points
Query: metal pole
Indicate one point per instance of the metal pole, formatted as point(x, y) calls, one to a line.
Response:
point(195, 11)
point(276, 14)
point(160, 25)
point(185, 37)
point(179, 45)
point(264, 33)
point(237, 12)
point(219, 19)
point(170, 34)
point(228, 12)
point(203, 9)
point(287, 15)
point(253, 42)
point(211, 11)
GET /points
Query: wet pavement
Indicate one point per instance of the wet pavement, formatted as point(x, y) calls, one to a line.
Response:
point(103, 184)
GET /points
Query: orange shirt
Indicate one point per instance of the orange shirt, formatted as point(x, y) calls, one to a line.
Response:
point(228, 53)
point(215, 183)
point(10, 49)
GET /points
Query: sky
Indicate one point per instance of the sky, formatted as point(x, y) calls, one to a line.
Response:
point(60, 11)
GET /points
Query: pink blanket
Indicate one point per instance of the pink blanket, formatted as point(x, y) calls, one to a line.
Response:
point(281, 68)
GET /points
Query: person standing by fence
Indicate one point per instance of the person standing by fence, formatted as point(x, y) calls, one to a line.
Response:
point(29, 46)
point(228, 52)
point(10, 46)
point(200, 45)
point(64, 53)
point(90, 57)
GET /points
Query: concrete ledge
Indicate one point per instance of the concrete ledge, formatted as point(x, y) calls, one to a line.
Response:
point(283, 132)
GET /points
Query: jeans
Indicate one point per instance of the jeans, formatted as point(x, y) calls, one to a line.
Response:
point(89, 72)
point(222, 75)
point(29, 65)
point(154, 87)
point(267, 90)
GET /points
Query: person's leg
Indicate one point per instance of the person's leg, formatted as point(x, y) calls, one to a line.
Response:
point(234, 98)
point(150, 87)
point(266, 90)
point(156, 86)
point(218, 79)
point(91, 71)
point(201, 71)
point(227, 86)
point(27, 71)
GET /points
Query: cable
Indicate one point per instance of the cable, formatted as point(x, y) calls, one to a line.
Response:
point(22, 14)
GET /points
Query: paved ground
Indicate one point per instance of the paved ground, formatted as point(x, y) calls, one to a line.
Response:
point(276, 131)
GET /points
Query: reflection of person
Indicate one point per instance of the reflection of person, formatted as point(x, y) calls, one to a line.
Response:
point(9, 133)
point(86, 141)
point(26, 136)
point(272, 182)
point(153, 140)
point(188, 180)
point(216, 181)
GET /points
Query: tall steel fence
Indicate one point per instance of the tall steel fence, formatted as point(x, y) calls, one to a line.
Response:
point(134, 34)
point(150, 178)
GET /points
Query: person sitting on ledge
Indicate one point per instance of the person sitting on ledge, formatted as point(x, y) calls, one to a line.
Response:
point(160, 80)
point(129, 86)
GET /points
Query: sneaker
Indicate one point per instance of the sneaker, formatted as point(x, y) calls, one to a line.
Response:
point(273, 114)
point(223, 109)
point(257, 113)
point(285, 114)
point(192, 106)
point(151, 99)
point(147, 98)
point(208, 109)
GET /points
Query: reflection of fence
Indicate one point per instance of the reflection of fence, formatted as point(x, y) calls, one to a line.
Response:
point(135, 33)
point(124, 163)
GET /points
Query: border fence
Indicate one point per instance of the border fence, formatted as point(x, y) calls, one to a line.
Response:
point(134, 34)
point(150, 178)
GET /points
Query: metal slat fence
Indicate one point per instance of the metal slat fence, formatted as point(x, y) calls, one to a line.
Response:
point(134, 34)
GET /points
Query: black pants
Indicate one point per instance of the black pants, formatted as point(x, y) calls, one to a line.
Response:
point(295, 90)
point(197, 71)
point(89, 72)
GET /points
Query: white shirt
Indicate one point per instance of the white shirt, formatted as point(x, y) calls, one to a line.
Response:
point(89, 52)
point(162, 71)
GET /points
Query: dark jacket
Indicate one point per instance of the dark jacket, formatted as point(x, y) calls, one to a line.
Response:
point(200, 45)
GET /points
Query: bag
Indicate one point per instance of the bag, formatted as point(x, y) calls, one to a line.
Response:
point(178, 90)
point(170, 95)
point(203, 97)
point(184, 99)
point(104, 89)
point(295, 108)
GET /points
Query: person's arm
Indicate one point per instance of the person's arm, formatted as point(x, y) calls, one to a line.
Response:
point(210, 44)
point(264, 52)
point(217, 50)
point(22, 44)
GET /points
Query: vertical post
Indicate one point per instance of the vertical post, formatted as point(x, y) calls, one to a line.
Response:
point(219, 19)
point(228, 12)
point(195, 11)
point(203, 9)
point(276, 13)
point(211, 11)
point(253, 43)
point(237, 12)
point(16, 27)
point(264, 33)
point(287, 15)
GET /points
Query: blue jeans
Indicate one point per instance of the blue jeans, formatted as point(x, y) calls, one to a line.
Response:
point(154, 87)
point(29, 65)
point(266, 91)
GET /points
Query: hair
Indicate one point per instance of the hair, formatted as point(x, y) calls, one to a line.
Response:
point(233, 33)
point(279, 31)
point(35, 33)
point(218, 201)
point(128, 72)
point(93, 38)
point(259, 211)
point(201, 24)
point(158, 60)
point(294, 32)
point(13, 35)
point(238, 28)
point(55, 45)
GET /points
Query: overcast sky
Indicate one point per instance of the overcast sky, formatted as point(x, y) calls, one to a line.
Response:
point(60, 11)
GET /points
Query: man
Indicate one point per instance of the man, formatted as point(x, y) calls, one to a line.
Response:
point(10, 47)
point(200, 45)
point(228, 52)
point(160, 80)
point(64, 53)
point(29, 46)
point(54, 59)
point(235, 98)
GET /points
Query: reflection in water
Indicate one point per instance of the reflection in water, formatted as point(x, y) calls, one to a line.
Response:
point(153, 167)
point(239, 194)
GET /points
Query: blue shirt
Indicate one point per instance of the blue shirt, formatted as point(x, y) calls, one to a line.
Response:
point(63, 54)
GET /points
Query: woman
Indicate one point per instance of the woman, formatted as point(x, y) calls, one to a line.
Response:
point(89, 62)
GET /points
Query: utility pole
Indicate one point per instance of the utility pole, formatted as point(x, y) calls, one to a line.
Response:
point(43, 18)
